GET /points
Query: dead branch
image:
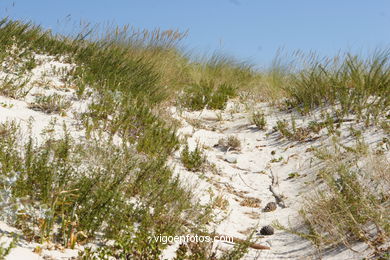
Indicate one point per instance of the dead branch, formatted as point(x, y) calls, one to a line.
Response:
point(278, 198)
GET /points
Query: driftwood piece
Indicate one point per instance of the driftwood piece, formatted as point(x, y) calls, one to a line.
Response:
point(278, 198)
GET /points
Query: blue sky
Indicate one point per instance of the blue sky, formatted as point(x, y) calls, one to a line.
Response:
point(251, 30)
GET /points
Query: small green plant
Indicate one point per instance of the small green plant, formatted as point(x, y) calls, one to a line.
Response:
point(315, 126)
point(385, 126)
point(193, 161)
point(13, 88)
point(206, 94)
point(50, 104)
point(293, 175)
point(6, 249)
point(296, 134)
point(282, 127)
point(275, 160)
point(258, 119)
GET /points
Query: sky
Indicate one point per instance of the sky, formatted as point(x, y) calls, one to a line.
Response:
point(250, 30)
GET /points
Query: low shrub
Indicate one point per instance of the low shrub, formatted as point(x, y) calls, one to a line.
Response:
point(66, 191)
point(193, 160)
point(258, 119)
point(206, 94)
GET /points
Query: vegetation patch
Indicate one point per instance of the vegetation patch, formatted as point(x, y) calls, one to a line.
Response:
point(65, 192)
point(193, 160)
point(206, 94)
point(69, 192)
point(51, 104)
point(358, 86)
point(258, 119)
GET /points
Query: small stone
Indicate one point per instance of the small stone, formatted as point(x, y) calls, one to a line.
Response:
point(267, 231)
point(271, 206)
point(230, 159)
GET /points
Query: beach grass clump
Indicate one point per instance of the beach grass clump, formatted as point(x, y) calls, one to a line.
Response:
point(352, 204)
point(359, 86)
point(133, 121)
point(207, 95)
point(302, 133)
point(283, 128)
point(144, 63)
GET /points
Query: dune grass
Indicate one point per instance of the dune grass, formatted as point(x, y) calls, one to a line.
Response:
point(67, 192)
point(353, 203)
point(357, 85)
